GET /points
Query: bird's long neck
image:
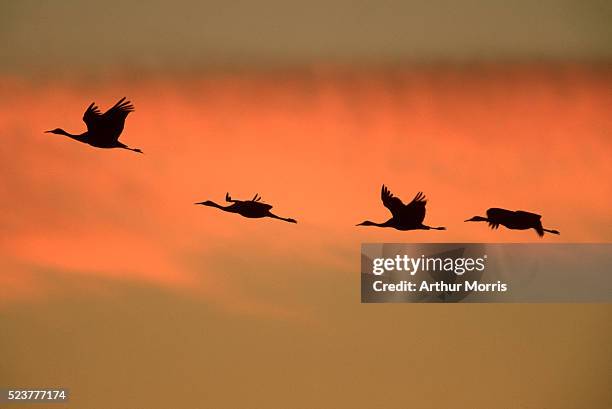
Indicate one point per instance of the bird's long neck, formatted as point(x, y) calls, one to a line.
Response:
point(369, 223)
point(425, 227)
point(218, 206)
point(478, 219)
point(78, 137)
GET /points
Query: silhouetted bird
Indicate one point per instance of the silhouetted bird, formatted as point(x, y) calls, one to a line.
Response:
point(515, 220)
point(103, 130)
point(253, 208)
point(405, 217)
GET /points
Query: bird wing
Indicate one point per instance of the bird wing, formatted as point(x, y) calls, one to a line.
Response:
point(92, 116)
point(394, 204)
point(260, 205)
point(415, 210)
point(496, 216)
point(109, 123)
point(256, 201)
point(495, 213)
point(532, 217)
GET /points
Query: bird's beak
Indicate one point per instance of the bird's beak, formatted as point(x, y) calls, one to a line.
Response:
point(199, 203)
point(47, 132)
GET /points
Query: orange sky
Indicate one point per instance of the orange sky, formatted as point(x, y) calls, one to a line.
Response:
point(317, 145)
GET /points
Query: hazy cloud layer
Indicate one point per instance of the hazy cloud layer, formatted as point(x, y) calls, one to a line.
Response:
point(316, 145)
point(52, 37)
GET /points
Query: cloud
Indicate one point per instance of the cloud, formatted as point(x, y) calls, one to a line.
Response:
point(51, 39)
point(317, 146)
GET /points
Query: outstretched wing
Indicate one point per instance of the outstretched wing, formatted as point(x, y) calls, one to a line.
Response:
point(256, 201)
point(531, 217)
point(394, 204)
point(415, 210)
point(110, 124)
point(499, 216)
point(92, 116)
point(260, 205)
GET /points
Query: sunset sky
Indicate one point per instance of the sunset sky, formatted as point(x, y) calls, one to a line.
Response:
point(317, 144)
point(108, 269)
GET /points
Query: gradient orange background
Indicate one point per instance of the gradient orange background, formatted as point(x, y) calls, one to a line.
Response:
point(317, 145)
point(102, 230)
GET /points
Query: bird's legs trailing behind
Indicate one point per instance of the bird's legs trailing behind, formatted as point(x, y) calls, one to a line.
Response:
point(285, 219)
point(433, 228)
point(131, 149)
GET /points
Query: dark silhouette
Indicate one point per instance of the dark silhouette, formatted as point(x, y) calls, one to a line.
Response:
point(405, 217)
point(253, 208)
point(515, 220)
point(103, 130)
